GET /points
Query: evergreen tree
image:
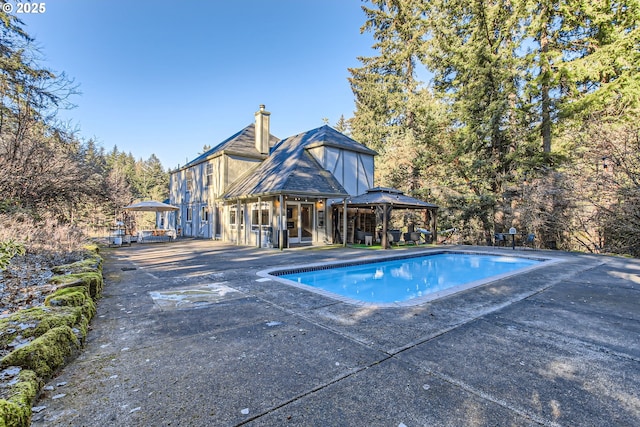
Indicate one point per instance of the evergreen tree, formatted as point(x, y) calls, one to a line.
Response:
point(582, 56)
point(472, 52)
point(205, 148)
point(603, 62)
point(343, 125)
point(386, 89)
point(385, 83)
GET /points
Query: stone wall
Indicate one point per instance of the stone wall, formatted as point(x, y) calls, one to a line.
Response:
point(35, 343)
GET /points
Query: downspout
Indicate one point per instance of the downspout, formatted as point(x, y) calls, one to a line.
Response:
point(238, 222)
point(280, 231)
point(214, 219)
point(259, 238)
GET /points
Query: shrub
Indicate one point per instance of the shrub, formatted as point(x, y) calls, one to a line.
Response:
point(9, 249)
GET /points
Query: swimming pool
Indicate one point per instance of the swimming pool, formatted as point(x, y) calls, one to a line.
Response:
point(403, 281)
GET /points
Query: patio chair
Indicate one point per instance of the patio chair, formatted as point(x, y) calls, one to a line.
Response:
point(393, 236)
point(425, 235)
point(530, 238)
point(361, 236)
point(499, 240)
point(412, 237)
point(448, 234)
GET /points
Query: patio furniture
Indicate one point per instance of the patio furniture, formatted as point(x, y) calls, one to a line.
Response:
point(151, 236)
point(412, 237)
point(448, 234)
point(118, 236)
point(530, 239)
point(394, 237)
point(425, 234)
point(361, 236)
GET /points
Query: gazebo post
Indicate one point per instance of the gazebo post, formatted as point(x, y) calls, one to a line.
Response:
point(385, 220)
point(344, 224)
point(434, 225)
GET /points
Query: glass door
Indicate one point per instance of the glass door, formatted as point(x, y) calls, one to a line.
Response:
point(293, 222)
point(300, 222)
point(306, 222)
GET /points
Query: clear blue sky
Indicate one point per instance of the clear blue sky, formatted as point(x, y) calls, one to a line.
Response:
point(166, 77)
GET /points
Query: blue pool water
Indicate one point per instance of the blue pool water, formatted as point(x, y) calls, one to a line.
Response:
point(404, 279)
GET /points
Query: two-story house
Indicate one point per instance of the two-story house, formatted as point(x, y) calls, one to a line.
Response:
point(252, 187)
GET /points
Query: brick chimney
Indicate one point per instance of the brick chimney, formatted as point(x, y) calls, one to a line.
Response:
point(262, 130)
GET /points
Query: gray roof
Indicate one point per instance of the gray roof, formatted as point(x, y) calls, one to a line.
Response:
point(328, 136)
point(242, 143)
point(290, 169)
point(151, 206)
point(388, 196)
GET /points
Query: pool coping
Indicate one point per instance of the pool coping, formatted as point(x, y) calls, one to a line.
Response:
point(267, 274)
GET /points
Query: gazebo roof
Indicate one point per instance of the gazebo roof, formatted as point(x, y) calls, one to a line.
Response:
point(388, 196)
point(151, 206)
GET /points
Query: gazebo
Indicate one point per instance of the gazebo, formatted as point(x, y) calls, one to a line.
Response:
point(161, 210)
point(151, 206)
point(386, 199)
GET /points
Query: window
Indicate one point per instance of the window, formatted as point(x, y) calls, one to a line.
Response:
point(209, 175)
point(189, 213)
point(255, 220)
point(189, 180)
point(204, 214)
point(233, 217)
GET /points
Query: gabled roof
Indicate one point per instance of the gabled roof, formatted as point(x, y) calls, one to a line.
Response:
point(329, 137)
point(388, 196)
point(241, 144)
point(291, 169)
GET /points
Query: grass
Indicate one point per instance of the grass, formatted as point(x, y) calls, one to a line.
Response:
point(379, 246)
point(363, 246)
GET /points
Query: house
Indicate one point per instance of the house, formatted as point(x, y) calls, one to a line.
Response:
point(254, 189)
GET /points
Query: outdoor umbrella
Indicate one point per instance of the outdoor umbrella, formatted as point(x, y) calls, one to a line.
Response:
point(151, 206)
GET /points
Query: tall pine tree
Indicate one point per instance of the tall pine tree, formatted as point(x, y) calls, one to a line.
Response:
point(386, 90)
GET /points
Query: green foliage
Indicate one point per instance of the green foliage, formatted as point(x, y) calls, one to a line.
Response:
point(9, 249)
point(508, 79)
point(385, 84)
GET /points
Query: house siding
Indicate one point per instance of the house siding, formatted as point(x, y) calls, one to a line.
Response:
point(238, 167)
point(353, 170)
point(198, 197)
point(206, 209)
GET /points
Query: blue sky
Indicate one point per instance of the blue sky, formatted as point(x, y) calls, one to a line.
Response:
point(166, 77)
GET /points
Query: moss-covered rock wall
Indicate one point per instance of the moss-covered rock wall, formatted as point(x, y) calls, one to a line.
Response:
point(37, 342)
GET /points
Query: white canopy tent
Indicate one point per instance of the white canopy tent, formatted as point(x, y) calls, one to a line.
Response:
point(151, 206)
point(161, 209)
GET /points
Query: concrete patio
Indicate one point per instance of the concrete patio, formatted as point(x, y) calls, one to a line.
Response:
point(187, 335)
